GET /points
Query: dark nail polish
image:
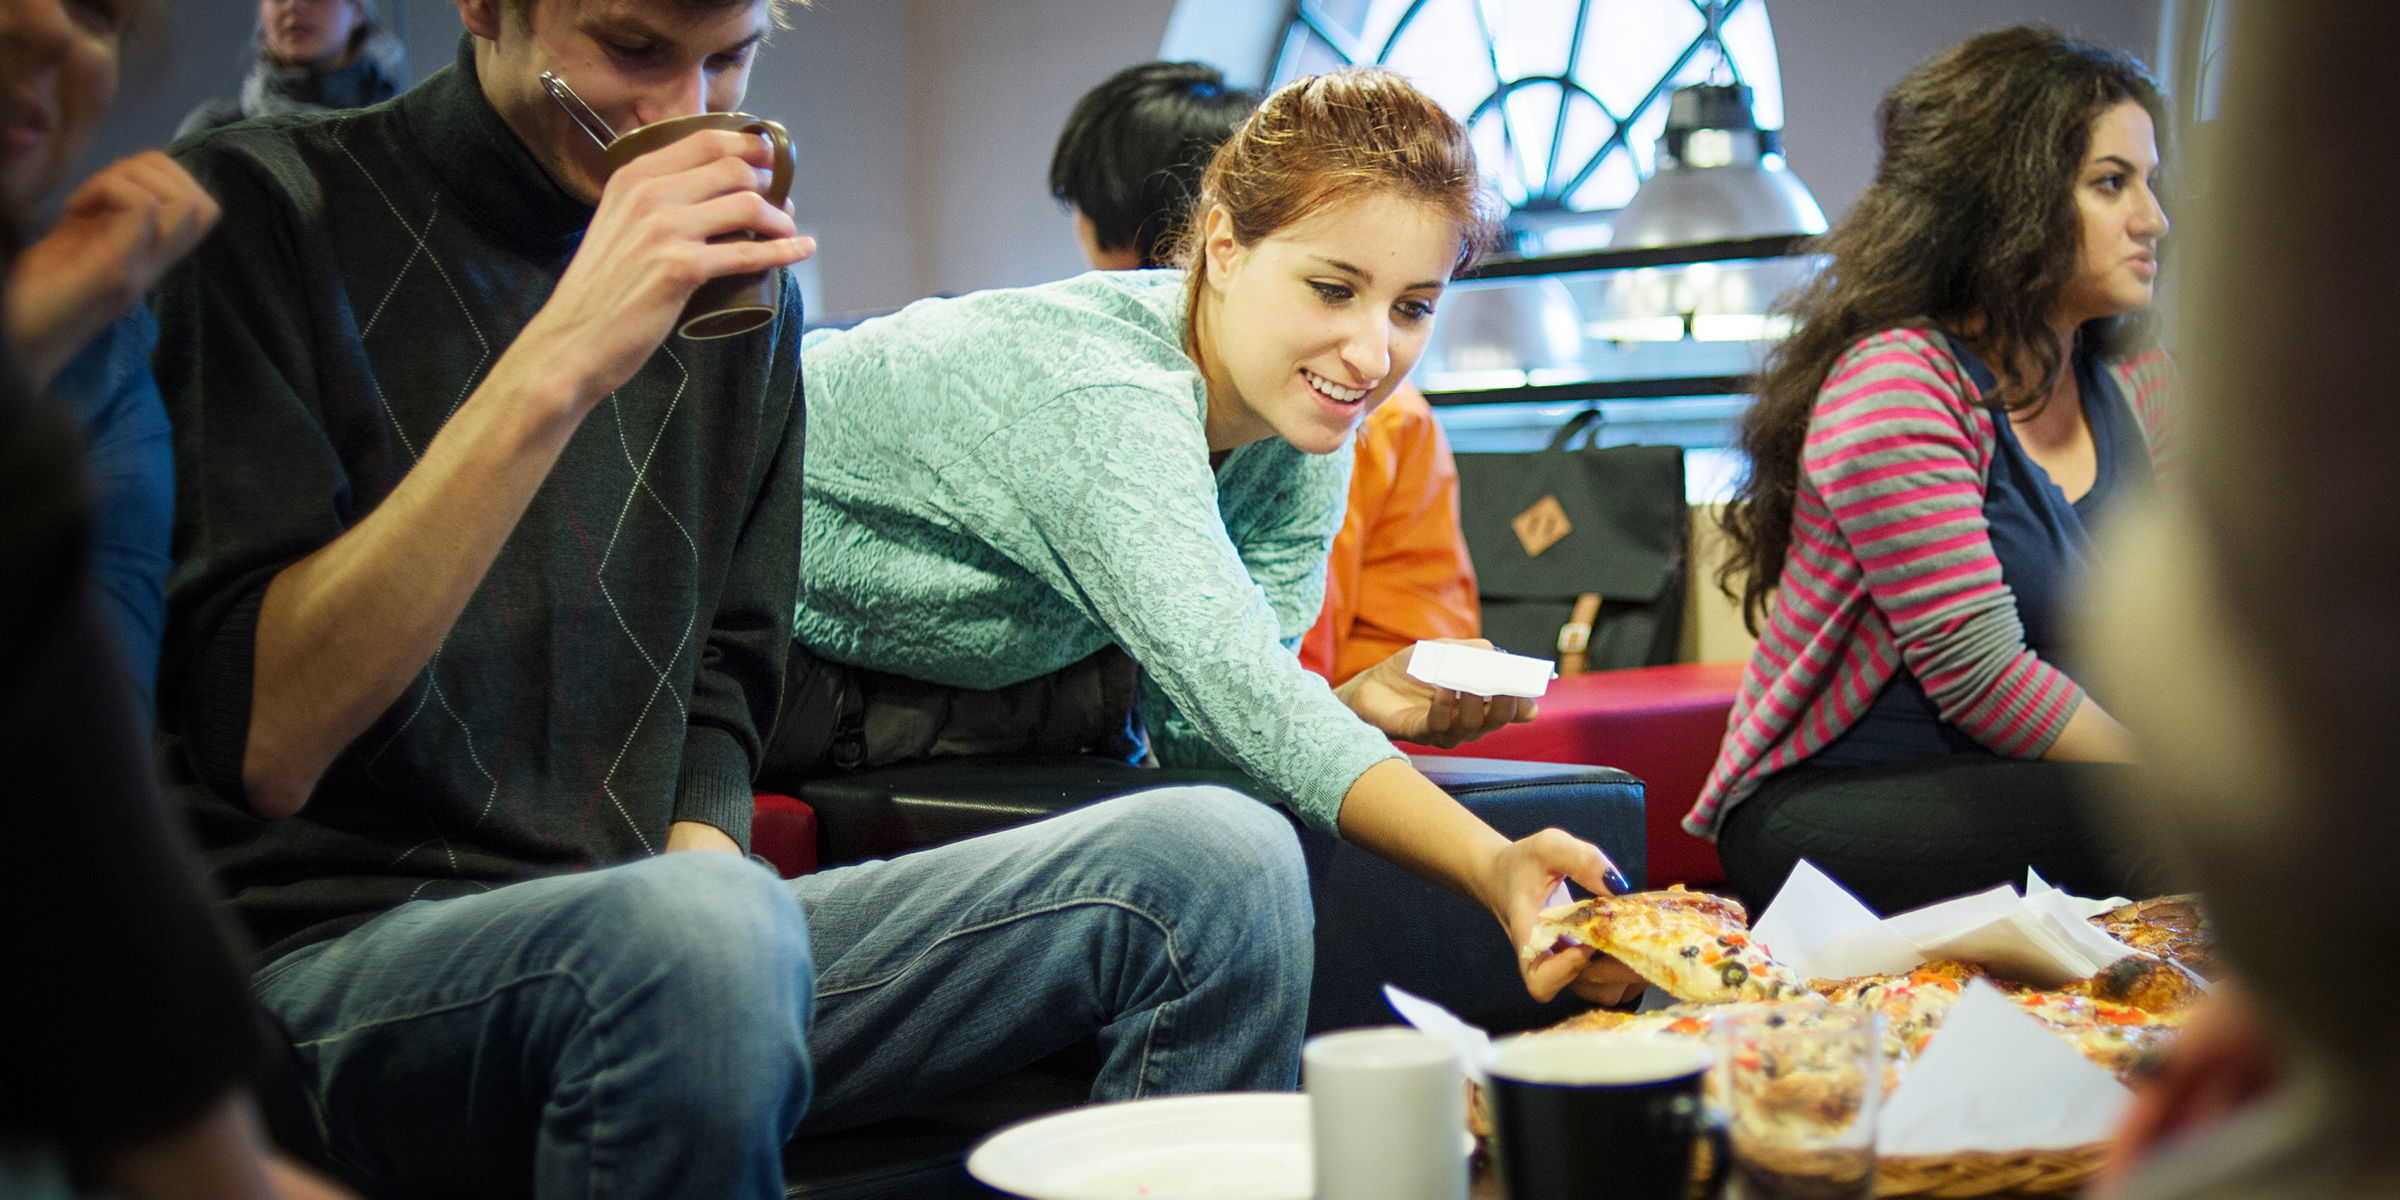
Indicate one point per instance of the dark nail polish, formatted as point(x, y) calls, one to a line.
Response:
point(1618, 885)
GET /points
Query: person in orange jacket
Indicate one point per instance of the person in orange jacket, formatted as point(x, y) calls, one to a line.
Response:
point(1399, 572)
point(1128, 164)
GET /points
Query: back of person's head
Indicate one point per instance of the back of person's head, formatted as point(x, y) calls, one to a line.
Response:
point(1131, 155)
point(1971, 222)
point(1321, 141)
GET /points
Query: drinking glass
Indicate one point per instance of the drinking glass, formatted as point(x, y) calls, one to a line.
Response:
point(1799, 1089)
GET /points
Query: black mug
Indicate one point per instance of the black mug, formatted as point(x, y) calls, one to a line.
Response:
point(1603, 1116)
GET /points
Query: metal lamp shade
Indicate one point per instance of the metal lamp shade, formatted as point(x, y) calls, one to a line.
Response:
point(1713, 182)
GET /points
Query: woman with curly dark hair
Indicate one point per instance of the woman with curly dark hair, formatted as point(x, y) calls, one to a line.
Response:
point(1957, 402)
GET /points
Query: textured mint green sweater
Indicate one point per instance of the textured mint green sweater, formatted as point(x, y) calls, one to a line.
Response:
point(1001, 484)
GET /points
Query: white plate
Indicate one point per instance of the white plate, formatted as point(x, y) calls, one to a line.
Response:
point(1252, 1145)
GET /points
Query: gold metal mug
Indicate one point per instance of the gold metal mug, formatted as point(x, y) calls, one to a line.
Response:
point(728, 304)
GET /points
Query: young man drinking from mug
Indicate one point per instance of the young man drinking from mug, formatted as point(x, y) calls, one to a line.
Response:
point(482, 616)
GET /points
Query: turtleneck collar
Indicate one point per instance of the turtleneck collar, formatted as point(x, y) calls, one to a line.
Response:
point(479, 159)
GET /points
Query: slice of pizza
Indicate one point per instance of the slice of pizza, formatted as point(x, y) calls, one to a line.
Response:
point(1695, 945)
point(2169, 927)
point(1912, 1005)
point(2157, 986)
point(1682, 1020)
point(1957, 971)
point(2118, 1037)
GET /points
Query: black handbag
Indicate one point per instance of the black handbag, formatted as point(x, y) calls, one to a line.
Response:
point(1579, 551)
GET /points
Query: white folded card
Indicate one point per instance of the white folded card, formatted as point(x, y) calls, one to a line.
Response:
point(1479, 672)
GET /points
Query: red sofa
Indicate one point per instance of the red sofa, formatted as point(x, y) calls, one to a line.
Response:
point(1659, 724)
point(783, 831)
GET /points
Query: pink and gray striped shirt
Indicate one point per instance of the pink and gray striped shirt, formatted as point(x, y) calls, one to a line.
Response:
point(1891, 565)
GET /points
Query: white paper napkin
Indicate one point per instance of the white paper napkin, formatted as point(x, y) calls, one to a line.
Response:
point(1479, 672)
point(1819, 929)
point(2041, 892)
point(1994, 1078)
point(1816, 927)
point(1474, 1045)
point(2074, 914)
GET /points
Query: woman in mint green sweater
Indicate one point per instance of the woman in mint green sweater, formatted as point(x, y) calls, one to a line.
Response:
point(1003, 486)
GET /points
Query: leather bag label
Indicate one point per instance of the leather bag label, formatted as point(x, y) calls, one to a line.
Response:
point(1541, 526)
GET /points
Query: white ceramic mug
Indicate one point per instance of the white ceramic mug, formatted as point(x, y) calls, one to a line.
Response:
point(1387, 1115)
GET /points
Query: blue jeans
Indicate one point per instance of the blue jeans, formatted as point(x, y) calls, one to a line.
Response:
point(646, 1030)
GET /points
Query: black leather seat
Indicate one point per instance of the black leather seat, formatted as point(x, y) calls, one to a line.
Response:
point(1376, 924)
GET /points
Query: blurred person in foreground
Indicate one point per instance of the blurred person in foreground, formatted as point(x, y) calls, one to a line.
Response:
point(2250, 630)
point(76, 323)
point(308, 56)
point(1129, 165)
point(127, 1047)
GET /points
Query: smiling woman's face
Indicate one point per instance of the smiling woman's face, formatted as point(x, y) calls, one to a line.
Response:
point(58, 64)
point(1305, 331)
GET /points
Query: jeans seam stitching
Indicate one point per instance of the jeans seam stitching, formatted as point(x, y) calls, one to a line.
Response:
point(1141, 1078)
point(314, 1095)
point(582, 990)
point(1166, 935)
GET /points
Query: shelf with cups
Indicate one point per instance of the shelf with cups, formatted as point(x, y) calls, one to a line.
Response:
point(1663, 340)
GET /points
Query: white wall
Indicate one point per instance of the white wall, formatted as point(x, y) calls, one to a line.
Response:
point(991, 82)
point(839, 79)
point(198, 53)
point(1840, 56)
point(925, 126)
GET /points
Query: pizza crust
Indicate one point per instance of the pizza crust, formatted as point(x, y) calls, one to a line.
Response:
point(1695, 946)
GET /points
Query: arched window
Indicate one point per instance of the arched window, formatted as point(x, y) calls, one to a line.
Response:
point(1565, 98)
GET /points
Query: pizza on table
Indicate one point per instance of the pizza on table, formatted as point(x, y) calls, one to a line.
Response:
point(1696, 947)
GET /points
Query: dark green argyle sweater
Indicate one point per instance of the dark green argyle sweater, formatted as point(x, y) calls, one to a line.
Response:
point(618, 668)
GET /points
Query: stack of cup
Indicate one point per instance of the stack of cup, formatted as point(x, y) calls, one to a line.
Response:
point(1387, 1115)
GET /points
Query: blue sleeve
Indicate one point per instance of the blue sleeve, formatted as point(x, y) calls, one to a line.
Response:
point(129, 461)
